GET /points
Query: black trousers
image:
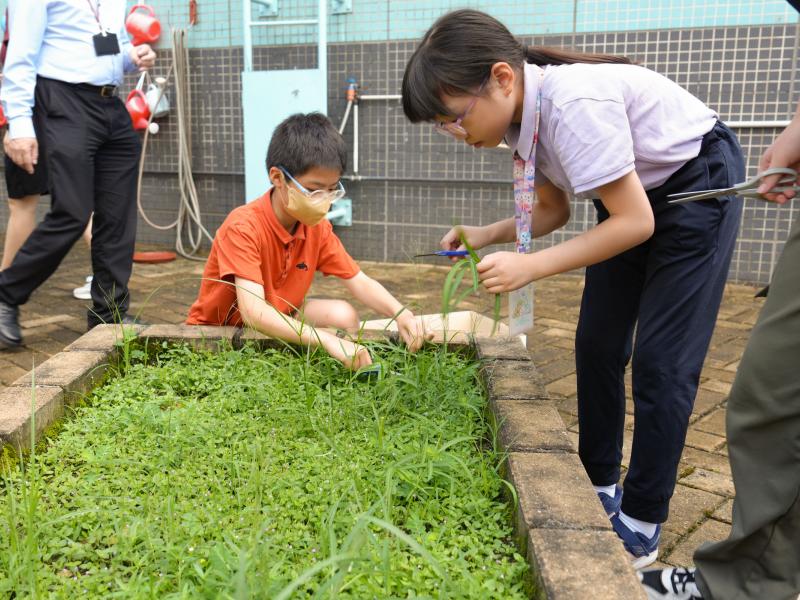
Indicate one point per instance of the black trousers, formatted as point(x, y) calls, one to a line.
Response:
point(668, 290)
point(92, 156)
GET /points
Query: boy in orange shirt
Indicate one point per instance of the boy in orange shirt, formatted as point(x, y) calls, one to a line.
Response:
point(270, 249)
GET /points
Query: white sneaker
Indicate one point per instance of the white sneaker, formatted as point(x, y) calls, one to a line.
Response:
point(85, 291)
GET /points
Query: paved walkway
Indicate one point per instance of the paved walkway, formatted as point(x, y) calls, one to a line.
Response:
point(701, 507)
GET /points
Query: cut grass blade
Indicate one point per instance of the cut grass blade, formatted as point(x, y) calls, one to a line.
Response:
point(451, 298)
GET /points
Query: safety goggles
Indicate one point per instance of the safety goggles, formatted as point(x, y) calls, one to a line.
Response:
point(317, 195)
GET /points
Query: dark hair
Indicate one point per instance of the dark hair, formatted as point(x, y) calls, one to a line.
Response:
point(302, 142)
point(456, 56)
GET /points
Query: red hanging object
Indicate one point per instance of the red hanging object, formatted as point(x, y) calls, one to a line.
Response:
point(138, 109)
point(143, 28)
point(192, 12)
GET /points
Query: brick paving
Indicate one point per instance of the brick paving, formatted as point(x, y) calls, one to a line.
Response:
point(701, 507)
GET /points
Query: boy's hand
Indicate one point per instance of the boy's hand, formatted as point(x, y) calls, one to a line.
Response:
point(353, 356)
point(506, 271)
point(478, 237)
point(412, 330)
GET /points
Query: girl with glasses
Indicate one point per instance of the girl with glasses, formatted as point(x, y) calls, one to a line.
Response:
point(599, 128)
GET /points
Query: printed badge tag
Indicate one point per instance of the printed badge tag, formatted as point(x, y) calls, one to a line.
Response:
point(520, 310)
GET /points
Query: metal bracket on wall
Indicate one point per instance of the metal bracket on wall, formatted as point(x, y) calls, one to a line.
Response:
point(341, 7)
point(266, 8)
point(341, 213)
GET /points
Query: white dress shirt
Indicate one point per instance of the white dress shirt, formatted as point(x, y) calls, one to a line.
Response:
point(53, 38)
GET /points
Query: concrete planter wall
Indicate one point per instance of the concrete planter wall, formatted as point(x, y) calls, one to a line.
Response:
point(559, 523)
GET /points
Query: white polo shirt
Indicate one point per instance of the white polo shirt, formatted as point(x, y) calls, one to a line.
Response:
point(600, 122)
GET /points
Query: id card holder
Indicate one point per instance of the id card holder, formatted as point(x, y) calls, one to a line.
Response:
point(105, 44)
point(520, 310)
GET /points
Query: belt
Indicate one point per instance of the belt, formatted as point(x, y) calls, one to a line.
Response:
point(106, 91)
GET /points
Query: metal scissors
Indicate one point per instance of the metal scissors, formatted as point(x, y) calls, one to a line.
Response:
point(445, 253)
point(748, 189)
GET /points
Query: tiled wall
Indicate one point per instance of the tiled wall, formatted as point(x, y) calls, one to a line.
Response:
point(415, 183)
point(220, 21)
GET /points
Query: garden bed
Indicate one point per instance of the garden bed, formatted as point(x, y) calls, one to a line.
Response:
point(265, 473)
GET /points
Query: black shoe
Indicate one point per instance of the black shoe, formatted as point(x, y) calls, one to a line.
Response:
point(670, 584)
point(10, 335)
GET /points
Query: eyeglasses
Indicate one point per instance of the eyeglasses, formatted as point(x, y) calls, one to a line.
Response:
point(454, 128)
point(318, 196)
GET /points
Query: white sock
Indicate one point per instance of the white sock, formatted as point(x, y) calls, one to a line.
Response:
point(648, 529)
point(608, 490)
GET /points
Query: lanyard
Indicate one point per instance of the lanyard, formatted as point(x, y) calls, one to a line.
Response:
point(521, 300)
point(524, 191)
point(96, 13)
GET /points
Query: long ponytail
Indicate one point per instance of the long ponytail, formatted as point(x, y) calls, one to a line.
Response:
point(546, 55)
point(456, 56)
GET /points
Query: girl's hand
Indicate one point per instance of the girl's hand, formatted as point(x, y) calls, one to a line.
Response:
point(506, 271)
point(477, 237)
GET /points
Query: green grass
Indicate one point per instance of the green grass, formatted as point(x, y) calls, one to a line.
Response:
point(265, 474)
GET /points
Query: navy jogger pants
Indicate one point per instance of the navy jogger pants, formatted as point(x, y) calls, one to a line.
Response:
point(668, 290)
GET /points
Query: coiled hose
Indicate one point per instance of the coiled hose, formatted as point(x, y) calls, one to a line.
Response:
point(188, 225)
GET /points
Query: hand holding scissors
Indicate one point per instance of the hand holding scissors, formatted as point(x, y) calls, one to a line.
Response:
point(749, 189)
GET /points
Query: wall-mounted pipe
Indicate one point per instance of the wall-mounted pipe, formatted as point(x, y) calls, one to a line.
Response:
point(322, 44)
point(756, 124)
point(381, 97)
point(282, 23)
point(345, 117)
point(355, 138)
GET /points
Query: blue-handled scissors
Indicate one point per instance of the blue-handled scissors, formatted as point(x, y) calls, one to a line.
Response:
point(748, 189)
point(445, 253)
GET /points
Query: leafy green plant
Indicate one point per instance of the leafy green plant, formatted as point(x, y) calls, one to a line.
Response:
point(265, 474)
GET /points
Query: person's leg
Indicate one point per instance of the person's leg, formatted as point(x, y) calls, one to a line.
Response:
point(114, 222)
point(23, 191)
point(677, 317)
point(67, 143)
point(602, 350)
point(84, 292)
point(21, 223)
point(87, 233)
point(686, 274)
point(761, 557)
point(338, 314)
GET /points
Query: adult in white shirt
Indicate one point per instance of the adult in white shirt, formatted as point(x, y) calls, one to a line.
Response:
point(65, 61)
